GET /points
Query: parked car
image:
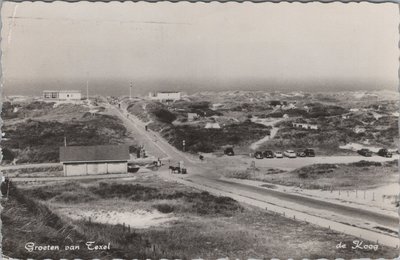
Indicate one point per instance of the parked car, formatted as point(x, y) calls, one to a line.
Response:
point(258, 155)
point(133, 168)
point(384, 153)
point(365, 152)
point(229, 151)
point(278, 154)
point(289, 154)
point(301, 154)
point(309, 152)
point(268, 154)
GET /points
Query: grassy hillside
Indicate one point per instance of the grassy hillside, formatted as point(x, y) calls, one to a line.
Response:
point(36, 141)
point(197, 138)
point(27, 220)
point(203, 224)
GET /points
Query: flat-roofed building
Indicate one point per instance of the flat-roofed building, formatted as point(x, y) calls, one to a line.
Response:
point(165, 96)
point(91, 160)
point(62, 95)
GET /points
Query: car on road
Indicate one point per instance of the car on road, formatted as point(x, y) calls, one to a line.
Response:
point(365, 152)
point(278, 155)
point(385, 153)
point(268, 154)
point(258, 155)
point(289, 154)
point(229, 151)
point(309, 152)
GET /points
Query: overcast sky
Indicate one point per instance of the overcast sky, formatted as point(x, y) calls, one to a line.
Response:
point(200, 46)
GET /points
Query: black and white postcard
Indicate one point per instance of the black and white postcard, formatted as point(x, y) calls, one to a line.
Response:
point(138, 130)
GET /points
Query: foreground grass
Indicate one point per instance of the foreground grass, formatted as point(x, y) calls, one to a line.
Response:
point(360, 175)
point(205, 226)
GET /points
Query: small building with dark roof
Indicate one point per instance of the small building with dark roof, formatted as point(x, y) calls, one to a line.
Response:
point(92, 160)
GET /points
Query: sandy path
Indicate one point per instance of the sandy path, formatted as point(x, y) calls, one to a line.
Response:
point(266, 122)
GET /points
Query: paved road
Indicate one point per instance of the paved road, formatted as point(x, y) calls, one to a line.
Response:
point(381, 219)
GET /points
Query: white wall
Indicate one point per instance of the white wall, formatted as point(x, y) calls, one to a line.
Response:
point(117, 167)
point(70, 95)
point(166, 96)
point(74, 169)
point(95, 168)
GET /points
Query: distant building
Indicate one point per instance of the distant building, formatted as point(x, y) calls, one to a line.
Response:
point(192, 116)
point(100, 159)
point(289, 106)
point(305, 126)
point(216, 106)
point(212, 126)
point(62, 94)
point(166, 96)
point(359, 130)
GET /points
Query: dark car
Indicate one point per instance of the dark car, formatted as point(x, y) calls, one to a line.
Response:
point(365, 152)
point(301, 154)
point(268, 154)
point(258, 155)
point(309, 152)
point(229, 151)
point(133, 168)
point(384, 153)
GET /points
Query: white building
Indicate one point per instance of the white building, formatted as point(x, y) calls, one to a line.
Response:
point(359, 129)
point(192, 116)
point(165, 96)
point(62, 95)
point(92, 160)
point(306, 126)
point(212, 126)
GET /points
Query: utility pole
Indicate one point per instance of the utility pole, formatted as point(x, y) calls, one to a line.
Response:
point(130, 92)
point(87, 90)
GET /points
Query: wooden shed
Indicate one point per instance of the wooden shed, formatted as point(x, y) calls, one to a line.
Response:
point(92, 160)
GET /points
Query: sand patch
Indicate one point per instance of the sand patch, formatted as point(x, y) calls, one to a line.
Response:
point(134, 219)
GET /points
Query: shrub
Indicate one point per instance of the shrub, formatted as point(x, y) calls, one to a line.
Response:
point(164, 208)
point(164, 115)
point(366, 163)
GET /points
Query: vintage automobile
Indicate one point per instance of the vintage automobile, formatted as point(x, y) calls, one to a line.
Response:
point(301, 154)
point(309, 152)
point(365, 152)
point(229, 151)
point(385, 153)
point(278, 155)
point(290, 154)
point(258, 155)
point(268, 154)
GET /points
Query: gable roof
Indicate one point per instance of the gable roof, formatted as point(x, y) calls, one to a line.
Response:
point(94, 153)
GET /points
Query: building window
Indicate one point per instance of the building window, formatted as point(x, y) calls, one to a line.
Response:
point(54, 94)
